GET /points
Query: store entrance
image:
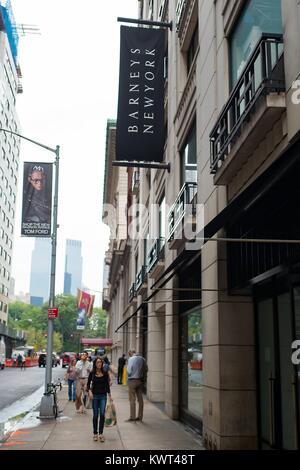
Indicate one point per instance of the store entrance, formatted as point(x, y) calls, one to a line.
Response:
point(190, 368)
point(277, 304)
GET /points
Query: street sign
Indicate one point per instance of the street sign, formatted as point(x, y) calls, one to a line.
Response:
point(52, 313)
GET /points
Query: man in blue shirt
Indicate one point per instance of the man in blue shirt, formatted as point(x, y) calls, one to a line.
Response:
point(136, 371)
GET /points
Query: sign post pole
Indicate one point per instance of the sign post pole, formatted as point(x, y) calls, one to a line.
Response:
point(46, 409)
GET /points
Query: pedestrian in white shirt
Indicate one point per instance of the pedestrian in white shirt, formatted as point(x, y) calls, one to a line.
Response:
point(83, 369)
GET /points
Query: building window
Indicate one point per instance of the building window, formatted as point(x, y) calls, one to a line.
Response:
point(192, 48)
point(190, 346)
point(258, 16)
point(189, 159)
point(150, 14)
point(146, 248)
point(162, 221)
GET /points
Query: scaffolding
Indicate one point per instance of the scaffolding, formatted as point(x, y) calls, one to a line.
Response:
point(10, 29)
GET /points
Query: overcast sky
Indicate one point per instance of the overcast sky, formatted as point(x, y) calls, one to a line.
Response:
point(70, 82)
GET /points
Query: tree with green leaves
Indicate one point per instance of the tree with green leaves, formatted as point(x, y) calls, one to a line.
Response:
point(34, 321)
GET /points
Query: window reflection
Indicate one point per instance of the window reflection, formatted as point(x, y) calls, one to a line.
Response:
point(191, 364)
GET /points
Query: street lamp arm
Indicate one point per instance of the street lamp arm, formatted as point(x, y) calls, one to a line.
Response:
point(29, 140)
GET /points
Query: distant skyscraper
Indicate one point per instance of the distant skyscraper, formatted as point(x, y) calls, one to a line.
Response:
point(73, 267)
point(40, 271)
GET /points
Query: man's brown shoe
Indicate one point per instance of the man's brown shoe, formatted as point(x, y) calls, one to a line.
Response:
point(129, 420)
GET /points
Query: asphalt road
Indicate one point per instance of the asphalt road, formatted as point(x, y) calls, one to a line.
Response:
point(16, 384)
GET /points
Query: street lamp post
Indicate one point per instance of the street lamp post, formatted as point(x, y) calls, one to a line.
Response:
point(46, 408)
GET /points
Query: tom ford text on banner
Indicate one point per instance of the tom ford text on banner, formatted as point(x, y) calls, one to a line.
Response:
point(140, 123)
point(37, 200)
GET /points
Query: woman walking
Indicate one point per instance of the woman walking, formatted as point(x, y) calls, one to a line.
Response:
point(71, 376)
point(98, 388)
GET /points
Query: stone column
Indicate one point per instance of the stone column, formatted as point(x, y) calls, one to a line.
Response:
point(156, 354)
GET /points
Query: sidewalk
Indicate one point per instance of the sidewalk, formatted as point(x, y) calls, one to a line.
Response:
point(74, 431)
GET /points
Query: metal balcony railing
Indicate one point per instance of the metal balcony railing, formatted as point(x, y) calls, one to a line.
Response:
point(132, 292)
point(156, 253)
point(140, 278)
point(263, 74)
point(185, 204)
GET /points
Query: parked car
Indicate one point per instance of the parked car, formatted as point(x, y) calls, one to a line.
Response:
point(42, 360)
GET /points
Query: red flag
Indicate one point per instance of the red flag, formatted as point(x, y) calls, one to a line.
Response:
point(85, 302)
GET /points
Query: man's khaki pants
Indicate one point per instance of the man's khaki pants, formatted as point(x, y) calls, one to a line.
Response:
point(80, 392)
point(135, 391)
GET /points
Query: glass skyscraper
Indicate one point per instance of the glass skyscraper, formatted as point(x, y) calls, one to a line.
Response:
point(73, 267)
point(40, 271)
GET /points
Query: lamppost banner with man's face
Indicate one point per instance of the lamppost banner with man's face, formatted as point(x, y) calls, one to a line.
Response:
point(37, 200)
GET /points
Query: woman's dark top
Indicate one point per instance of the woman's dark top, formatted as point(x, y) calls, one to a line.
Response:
point(100, 385)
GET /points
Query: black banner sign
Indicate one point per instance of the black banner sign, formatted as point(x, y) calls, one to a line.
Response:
point(140, 125)
point(37, 200)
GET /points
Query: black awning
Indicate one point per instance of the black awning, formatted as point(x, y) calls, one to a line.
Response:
point(256, 191)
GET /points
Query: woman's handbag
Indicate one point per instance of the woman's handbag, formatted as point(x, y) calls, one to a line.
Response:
point(89, 403)
point(110, 414)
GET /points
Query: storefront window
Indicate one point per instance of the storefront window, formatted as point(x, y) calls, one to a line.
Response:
point(258, 16)
point(191, 366)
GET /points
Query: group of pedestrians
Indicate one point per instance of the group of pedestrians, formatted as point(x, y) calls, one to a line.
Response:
point(93, 381)
point(19, 360)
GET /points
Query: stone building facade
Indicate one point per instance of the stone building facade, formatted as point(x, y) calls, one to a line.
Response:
point(216, 318)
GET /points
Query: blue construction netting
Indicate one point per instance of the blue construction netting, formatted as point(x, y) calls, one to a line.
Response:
point(10, 29)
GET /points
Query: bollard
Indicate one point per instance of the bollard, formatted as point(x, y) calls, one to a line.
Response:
point(124, 378)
